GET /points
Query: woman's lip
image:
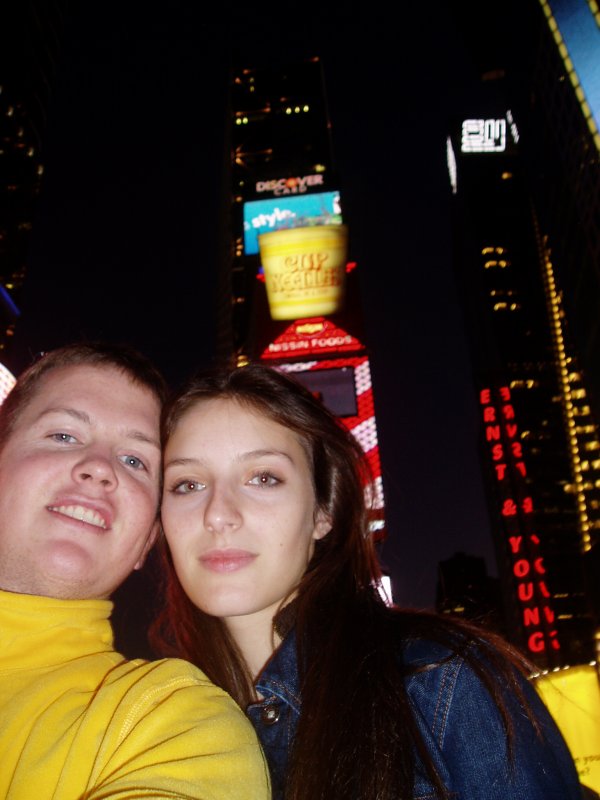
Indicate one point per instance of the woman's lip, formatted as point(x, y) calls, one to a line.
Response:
point(226, 560)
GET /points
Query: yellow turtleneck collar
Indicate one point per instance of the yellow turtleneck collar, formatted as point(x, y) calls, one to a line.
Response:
point(42, 631)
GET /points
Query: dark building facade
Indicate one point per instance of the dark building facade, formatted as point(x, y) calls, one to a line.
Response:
point(464, 589)
point(30, 43)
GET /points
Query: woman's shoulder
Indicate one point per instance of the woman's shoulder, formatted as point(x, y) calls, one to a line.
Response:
point(442, 659)
point(462, 684)
point(428, 640)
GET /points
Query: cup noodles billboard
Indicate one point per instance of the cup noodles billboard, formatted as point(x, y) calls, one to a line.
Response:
point(304, 270)
point(291, 211)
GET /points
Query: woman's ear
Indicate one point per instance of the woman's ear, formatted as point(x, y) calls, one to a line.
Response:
point(322, 525)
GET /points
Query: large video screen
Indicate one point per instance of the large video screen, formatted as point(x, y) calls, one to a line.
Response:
point(334, 387)
point(578, 26)
point(293, 211)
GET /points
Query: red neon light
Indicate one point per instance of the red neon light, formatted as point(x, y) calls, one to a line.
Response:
point(527, 505)
point(509, 508)
point(522, 546)
point(500, 471)
point(489, 414)
point(517, 449)
point(525, 592)
point(521, 568)
point(492, 432)
point(508, 412)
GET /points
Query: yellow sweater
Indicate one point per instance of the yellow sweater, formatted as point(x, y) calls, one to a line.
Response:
point(79, 722)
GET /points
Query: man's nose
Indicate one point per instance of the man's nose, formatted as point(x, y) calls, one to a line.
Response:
point(96, 468)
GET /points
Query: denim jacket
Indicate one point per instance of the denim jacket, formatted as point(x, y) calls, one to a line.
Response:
point(459, 723)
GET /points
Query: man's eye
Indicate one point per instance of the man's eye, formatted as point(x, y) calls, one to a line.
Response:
point(63, 437)
point(187, 487)
point(133, 461)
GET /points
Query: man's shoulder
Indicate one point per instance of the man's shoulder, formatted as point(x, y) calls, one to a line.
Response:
point(174, 695)
point(160, 669)
point(162, 678)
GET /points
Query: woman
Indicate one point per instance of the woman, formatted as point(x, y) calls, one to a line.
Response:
point(271, 588)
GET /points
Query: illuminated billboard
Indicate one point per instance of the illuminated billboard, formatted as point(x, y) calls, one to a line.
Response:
point(7, 381)
point(489, 135)
point(312, 337)
point(575, 29)
point(292, 211)
point(344, 385)
point(304, 270)
point(572, 696)
point(530, 584)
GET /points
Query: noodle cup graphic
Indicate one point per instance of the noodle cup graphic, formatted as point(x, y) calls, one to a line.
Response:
point(305, 270)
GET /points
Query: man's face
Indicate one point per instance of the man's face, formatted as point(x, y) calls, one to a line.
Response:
point(79, 485)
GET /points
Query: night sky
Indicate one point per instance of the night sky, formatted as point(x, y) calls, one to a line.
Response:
point(124, 239)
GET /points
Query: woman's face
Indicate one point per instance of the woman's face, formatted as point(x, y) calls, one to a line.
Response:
point(239, 510)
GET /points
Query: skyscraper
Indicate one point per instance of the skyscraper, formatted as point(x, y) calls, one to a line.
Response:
point(294, 296)
point(540, 442)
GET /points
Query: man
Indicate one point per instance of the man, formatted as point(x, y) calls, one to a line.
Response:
point(80, 467)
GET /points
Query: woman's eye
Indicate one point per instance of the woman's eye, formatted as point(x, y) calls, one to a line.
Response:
point(187, 487)
point(63, 437)
point(133, 461)
point(264, 479)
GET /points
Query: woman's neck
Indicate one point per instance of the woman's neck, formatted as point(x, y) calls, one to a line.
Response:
point(256, 639)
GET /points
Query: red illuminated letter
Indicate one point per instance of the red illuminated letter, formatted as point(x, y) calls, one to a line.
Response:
point(484, 397)
point(492, 432)
point(517, 450)
point(538, 566)
point(521, 568)
point(505, 393)
point(525, 592)
point(500, 471)
point(536, 642)
point(531, 616)
point(509, 509)
point(511, 431)
point(489, 414)
point(508, 411)
point(515, 544)
point(497, 452)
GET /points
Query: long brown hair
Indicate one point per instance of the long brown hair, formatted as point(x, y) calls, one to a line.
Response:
point(349, 639)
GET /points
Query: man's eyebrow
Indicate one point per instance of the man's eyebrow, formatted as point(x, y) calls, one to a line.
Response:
point(72, 412)
point(84, 417)
point(140, 436)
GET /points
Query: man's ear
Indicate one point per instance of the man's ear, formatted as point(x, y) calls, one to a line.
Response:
point(149, 543)
point(322, 525)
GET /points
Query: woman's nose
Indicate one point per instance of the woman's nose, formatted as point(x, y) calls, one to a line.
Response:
point(221, 514)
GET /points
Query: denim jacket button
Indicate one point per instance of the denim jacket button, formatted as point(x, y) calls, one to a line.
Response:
point(269, 715)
